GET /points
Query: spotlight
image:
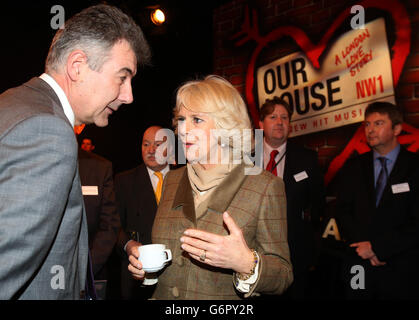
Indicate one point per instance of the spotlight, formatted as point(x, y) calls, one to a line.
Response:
point(158, 17)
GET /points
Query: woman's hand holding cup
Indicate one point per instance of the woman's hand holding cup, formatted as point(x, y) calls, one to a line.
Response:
point(135, 266)
point(149, 258)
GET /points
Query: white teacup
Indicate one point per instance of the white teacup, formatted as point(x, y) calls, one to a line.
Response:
point(154, 257)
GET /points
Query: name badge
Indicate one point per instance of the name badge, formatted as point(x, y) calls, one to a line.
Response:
point(300, 176)
point(401, 187)
point(89, 190)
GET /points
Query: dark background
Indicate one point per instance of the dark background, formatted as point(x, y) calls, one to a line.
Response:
point(182, 50)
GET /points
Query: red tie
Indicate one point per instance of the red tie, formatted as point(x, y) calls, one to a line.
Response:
point(272, 162)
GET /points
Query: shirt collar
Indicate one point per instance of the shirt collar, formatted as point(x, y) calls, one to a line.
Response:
point(163, 171)
point(68, 111)
point(392, 155)
point(267, 149)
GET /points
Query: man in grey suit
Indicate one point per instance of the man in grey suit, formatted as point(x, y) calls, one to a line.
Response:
point(43, 230)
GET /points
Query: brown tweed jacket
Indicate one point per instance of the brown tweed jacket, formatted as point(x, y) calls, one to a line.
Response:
point(257, 204)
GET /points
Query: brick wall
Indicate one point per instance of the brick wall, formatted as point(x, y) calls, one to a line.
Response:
point(314, 17)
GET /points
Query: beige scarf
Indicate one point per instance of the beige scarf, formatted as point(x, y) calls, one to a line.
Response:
point(204, 182)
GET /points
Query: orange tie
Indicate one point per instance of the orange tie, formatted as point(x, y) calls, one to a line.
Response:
point(159, 186)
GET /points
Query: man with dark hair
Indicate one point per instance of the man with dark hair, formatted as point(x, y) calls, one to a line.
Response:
point(44, 241)
point(304, 188)
point(87, 145)
point(377, 206)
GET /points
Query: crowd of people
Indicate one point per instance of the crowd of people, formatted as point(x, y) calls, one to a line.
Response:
point(71, 230)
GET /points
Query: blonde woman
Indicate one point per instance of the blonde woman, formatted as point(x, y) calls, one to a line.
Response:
point(226, 228)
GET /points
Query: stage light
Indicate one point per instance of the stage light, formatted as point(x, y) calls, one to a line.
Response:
point(158, 17)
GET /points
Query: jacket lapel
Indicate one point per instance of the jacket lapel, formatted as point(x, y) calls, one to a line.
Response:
point(143, 189)
point(225, 192)
point(289, 162)
point(184, 198)
point(399, 170)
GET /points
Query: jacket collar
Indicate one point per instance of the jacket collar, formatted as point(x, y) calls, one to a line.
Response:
point(41, 86)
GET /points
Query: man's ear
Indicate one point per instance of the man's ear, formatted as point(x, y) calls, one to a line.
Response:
point(397, 129)
point(76, 63)
point(260, 124)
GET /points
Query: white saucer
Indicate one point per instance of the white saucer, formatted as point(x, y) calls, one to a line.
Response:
point(150, 282)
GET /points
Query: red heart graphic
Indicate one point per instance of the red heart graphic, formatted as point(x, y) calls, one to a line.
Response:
point(400, 48)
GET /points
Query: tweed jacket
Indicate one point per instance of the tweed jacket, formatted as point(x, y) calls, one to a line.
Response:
point(257, 204)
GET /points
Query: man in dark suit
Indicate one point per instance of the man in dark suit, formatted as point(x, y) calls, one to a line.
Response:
point(88, 71)
point(304, 188)
point(102, 216)
point(377, 207)
point(138, 192)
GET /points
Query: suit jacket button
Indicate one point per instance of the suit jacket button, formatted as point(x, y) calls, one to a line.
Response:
point(175, 292)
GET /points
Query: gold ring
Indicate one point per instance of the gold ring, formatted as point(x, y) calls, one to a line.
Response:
point(203, 256)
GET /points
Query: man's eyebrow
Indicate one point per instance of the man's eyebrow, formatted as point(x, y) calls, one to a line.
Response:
point(125, 69)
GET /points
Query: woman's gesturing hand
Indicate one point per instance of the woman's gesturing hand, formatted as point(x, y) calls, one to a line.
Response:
point(229, 252)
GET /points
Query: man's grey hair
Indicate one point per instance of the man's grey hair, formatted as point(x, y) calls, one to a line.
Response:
point(95, 30)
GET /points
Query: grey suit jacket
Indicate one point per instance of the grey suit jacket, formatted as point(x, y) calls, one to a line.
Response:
point(43, 229)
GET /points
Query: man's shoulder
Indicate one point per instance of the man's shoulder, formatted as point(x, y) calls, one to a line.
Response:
point(176, 173)
point(130, 172)
point(93, 156)
point(410, 160)
point(411, 156)
point(357, 161)
point(300, 150)
point(93, 159)
point(33, 96)
point(26, 101)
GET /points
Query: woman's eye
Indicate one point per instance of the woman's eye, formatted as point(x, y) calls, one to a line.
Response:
point(197, 120)
point(180, 119)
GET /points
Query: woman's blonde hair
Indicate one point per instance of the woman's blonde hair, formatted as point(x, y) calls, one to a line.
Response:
point(218, 98)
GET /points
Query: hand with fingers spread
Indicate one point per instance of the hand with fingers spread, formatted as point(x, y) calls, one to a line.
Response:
point(228, 252)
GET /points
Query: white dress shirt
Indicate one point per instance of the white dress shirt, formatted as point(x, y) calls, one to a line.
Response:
point(267, 149)
point(154, 179)
point(68, 111)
